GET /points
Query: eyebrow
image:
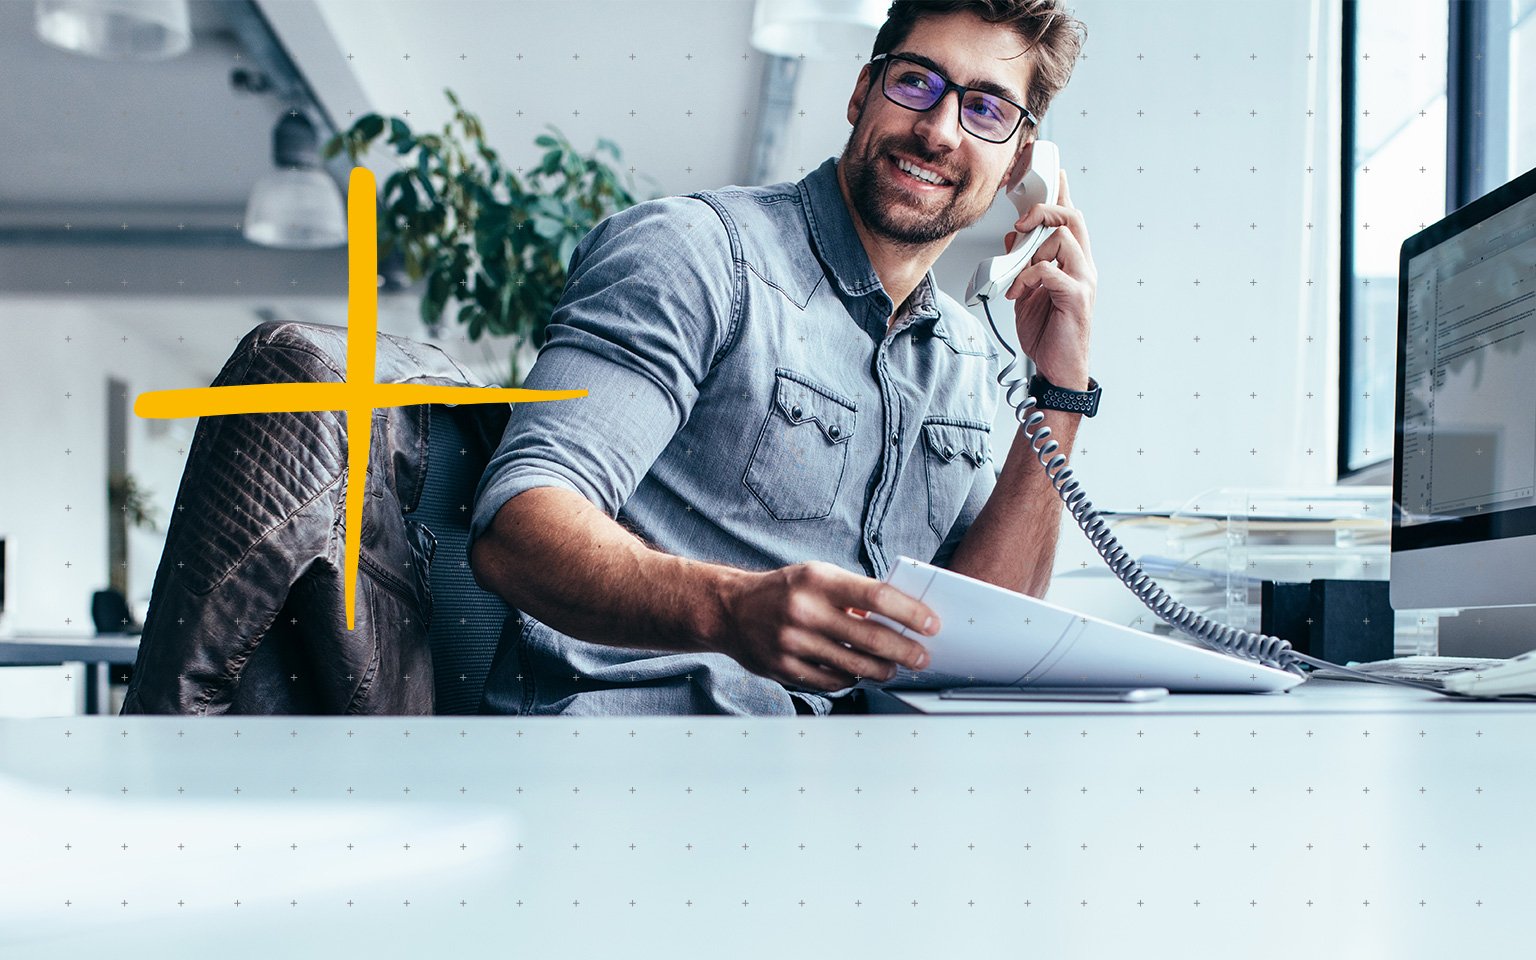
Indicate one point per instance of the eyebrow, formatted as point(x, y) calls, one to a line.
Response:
point(985, 86)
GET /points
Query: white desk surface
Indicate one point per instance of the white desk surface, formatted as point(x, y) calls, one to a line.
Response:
point(1398, 829)
point(1312, 697)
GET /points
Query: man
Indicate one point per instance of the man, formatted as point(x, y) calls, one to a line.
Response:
point(782, 403)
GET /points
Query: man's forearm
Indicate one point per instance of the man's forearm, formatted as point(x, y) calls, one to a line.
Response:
point(552, 554)
point(1012, 542)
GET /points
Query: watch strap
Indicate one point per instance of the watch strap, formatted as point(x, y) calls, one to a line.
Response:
point(1048, 396)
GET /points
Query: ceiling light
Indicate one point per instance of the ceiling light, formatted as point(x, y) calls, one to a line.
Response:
point(297, 206)
point(817, 29)
point(116, 29)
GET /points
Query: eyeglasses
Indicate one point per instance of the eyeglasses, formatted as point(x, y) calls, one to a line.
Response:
point(986, 116)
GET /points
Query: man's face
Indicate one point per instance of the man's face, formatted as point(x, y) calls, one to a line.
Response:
point(900, 207)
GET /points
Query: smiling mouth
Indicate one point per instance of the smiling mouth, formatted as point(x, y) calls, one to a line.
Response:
point(919, 175)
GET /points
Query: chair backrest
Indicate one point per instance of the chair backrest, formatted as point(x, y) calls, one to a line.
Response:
point(466, 620)
point(109, 612)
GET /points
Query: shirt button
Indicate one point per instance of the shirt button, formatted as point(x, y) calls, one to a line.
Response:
point(876, 537)
point(834, 432)
point(949, 451)
point(794, 411)
point(895, 439)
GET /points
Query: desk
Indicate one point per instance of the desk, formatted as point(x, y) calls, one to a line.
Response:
point(99, 653)
point(1313, 698)
point(1253, 826)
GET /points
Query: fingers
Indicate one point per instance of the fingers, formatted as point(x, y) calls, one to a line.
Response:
point(1063, 288)
point(884, 599)
point(832, 654)
point(878, 648)
point(1062, 246)
point(846, 590)
point(1061, 214)
point(855, 647)
point(815, 635)
point(1053, 215)
point(822, 607)
point(827, 650)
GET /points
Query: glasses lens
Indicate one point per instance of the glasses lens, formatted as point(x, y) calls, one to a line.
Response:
point(989, 117)
point(912, 86)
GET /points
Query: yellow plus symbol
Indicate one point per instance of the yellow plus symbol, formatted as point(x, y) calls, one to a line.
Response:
point(358, 395)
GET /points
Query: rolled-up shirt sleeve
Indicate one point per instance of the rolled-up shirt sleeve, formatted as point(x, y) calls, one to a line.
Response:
point(649, 306)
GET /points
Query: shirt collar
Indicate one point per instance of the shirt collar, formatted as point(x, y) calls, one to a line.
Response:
point(840, 249)
point(837, 242)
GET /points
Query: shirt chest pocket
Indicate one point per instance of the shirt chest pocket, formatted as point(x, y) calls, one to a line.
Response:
point(954, 450)
point(797, 466)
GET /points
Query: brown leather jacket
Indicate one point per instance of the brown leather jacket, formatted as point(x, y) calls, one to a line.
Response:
point(246, 615)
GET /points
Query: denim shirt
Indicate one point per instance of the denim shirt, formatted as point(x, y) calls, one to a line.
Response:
point(748, 407)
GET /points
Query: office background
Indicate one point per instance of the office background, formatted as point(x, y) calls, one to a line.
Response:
point(1203, 142)
point(1185, 132)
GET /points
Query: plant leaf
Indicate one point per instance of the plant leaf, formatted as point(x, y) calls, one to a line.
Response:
point(369, 126)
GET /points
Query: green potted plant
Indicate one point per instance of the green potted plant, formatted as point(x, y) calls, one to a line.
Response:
point(492, 243)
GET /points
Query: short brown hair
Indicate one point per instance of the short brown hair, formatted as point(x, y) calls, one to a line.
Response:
point(1051, 33)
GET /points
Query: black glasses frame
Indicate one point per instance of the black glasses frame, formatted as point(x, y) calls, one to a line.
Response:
point(1025, 116)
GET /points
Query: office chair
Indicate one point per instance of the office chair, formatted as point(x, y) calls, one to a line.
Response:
point(247, 612)
point(466, 620)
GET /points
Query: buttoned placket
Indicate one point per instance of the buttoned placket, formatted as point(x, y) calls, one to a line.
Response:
point(890, 460)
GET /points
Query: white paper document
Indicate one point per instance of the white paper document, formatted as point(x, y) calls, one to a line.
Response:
point(994, 637)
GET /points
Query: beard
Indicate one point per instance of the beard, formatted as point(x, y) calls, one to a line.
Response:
point(895, 215)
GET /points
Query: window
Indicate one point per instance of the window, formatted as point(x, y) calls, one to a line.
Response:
point(1395, 112)
point(1519, 84)
point(1438, 109)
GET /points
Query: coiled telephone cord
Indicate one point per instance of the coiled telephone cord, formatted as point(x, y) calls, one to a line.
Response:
point(1265, 649)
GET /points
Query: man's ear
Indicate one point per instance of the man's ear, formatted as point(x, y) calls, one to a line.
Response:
point(1020, 166)
point(860, 92)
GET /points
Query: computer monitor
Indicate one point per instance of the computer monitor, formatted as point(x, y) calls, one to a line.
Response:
point(1464, 474)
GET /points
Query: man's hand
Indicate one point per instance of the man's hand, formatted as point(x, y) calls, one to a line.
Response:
point(1053, 296)
point(793, 625)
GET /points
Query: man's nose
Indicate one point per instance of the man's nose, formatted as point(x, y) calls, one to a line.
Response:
point(939, 126)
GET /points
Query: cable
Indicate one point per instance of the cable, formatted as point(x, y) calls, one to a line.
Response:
point(1261, 647)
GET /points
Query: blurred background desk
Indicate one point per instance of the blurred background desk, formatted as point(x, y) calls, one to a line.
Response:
point(98, 653)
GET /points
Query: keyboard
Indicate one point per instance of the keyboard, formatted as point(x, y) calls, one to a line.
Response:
point(1431, 670)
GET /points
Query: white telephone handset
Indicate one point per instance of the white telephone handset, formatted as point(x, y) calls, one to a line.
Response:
point(1041, 184)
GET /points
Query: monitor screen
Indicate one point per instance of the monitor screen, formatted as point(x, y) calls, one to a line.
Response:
point(1467, 407)
point(1464, 474)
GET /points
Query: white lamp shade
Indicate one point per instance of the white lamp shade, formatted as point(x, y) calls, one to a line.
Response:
point(296, 210)
point(116, 29)
point(817, 29)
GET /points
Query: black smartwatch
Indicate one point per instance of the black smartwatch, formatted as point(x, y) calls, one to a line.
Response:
point(1048, 396)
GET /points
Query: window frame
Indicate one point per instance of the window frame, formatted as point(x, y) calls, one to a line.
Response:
point(1468, 149)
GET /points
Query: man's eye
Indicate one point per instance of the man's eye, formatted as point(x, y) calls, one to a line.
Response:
point(916, 80)
point(986, 108)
